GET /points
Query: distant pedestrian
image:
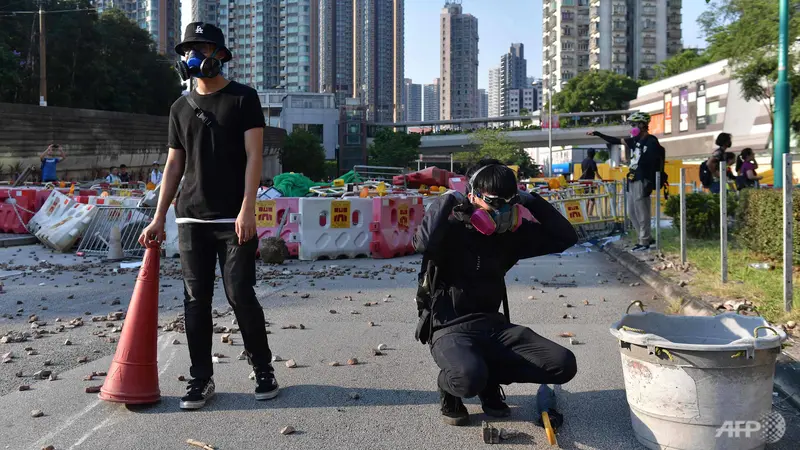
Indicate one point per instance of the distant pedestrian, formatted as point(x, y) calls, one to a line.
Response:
point(746, 170)
point(156, 174)
point(589, 172)
point(50, 162)
point(124, 176)
point(646, 159)
point(113, 176)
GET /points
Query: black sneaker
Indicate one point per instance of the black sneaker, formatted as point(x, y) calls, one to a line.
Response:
point(266, 386)
point(453, 410)
point(492, 401)
point(199, 391)
point(640, 248)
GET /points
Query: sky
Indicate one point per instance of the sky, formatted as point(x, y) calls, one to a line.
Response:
point(498, 27)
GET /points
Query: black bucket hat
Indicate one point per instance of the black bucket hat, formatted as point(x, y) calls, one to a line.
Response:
point(200, 32)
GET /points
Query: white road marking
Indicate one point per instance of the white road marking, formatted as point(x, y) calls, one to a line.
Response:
point(92, 431)
point(72, 419)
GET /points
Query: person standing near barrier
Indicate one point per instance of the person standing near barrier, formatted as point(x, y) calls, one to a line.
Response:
point(49, 163)
point(646, 159)
point(746, 170)
point(113, 176)
point(156, 174)
point(468, 245)
point(216, 141)
point(589, 172)
point(124, 175)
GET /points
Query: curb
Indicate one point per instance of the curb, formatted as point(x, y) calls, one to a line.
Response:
point(787, 370)
point(18, 241)
point(690, 305)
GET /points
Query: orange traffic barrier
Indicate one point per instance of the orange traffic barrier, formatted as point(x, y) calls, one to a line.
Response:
point(133, 375)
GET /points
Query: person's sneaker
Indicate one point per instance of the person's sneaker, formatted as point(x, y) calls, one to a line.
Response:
point(453, 410)
point(492, 401)
point(199, 391)
point(640, 248)
point(266, 386)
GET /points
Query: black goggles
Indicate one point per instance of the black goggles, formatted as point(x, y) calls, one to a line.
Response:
point(497, 202)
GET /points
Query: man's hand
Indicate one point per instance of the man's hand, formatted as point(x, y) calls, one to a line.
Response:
point(591, 133)
point(153, 232)
point(246, 226)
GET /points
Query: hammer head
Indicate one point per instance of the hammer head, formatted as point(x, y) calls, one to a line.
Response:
point(491, 435)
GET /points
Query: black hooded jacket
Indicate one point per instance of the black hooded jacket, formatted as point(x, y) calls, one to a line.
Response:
point(470, 268)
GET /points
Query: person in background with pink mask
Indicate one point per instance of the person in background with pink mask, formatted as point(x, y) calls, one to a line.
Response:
point(469, 243)
point(646, 156)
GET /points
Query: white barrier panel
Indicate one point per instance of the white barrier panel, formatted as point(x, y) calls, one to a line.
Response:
point(62, 233)
point(334, 228)
point(51, 211)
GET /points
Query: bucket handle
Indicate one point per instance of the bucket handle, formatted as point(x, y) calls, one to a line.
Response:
point(637, 303)
point(764, 327)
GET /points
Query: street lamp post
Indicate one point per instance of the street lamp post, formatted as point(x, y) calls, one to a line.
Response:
point(783, 93)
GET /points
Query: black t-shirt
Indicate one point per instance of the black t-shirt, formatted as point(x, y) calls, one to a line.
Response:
point(647, 157)
point(589, 168)
point(213, 185)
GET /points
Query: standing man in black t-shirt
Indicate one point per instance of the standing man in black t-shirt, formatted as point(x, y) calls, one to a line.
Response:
point(216, 140)
point(646, 158)
point(589, 173)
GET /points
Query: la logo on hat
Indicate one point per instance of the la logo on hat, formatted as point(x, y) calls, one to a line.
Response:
point(198, 30)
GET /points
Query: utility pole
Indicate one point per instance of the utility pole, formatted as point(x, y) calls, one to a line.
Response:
point(42, 58)
point(783, 102)
point(550, 128)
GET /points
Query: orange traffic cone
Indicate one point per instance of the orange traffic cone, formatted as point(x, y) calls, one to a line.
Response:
point(133, 375)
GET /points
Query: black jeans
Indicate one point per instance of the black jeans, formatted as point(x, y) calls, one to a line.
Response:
point(200, 245)
point(474, 359)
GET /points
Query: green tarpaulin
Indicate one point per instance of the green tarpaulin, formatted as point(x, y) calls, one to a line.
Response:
point(298, 185)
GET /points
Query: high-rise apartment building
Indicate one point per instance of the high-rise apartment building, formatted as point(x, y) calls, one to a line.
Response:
point(362, 47)
point(431, 96)
point(624, 36)
point(536, 84)
point(459, 63)
point(336, 48)
point(412, 101)
point(162, 19)
point(483, 103)
point(513, 74)
point(299, 45)
point(494, 92)
point(253, 34)
point(205, 11)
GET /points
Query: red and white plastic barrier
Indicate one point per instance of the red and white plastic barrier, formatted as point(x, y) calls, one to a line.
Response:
point(334, 228)
point(394, 222)
point(270, 213)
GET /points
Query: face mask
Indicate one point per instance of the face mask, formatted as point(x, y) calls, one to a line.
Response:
point(198, 66)
point(635, 131)
point(508, 218)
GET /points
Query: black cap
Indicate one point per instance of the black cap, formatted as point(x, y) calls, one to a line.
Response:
point(200, 32)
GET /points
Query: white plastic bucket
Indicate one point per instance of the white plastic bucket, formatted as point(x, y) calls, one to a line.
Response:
point(691, 382)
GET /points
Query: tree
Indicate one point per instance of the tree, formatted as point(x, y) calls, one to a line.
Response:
point(495, 144)
point(303, 153)
point(684, 61)
point(93, 61)
point(600, 90)
point(745, 33)
point(394, 149)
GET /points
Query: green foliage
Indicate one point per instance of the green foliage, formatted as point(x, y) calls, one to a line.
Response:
point(303, 153)
point(685, 61)
point(759, 222)
point(331, 167)
point(394, 149)
point(494, 144)
point(600, 90)
point(602, 156)
point(702, 210)
point(93, 61)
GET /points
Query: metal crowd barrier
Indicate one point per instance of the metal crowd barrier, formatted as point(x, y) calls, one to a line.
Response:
point(129, 222)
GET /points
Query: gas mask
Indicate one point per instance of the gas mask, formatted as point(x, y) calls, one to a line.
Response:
point(635, 131)
point(198, 66)
point(504, 219)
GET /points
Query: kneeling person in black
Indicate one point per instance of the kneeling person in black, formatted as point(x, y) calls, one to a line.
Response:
point(463, 285)
point(216, 142)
